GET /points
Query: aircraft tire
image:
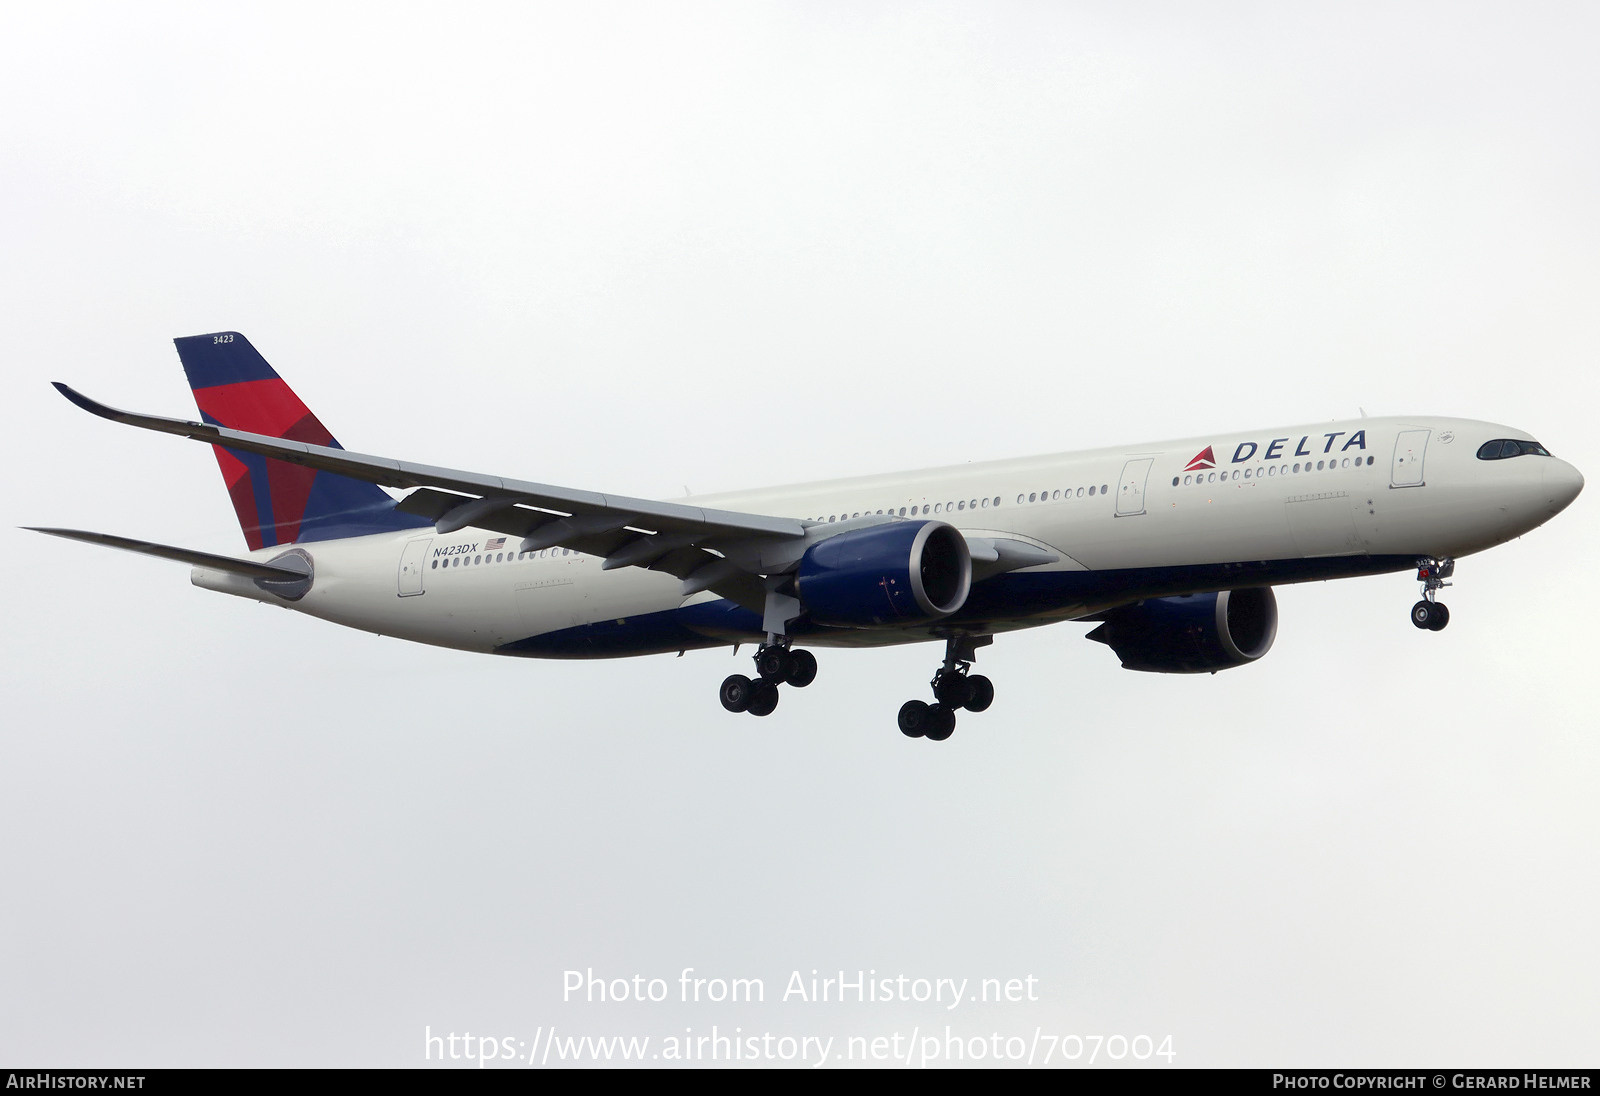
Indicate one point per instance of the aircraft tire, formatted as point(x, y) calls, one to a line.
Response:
point(1441, 617)
point(942, 723)
point(1422, 614)
point(773, 664)
point(764, 701)
point(802, 668)
point(982, 693)
point(736, 692)
point(914, 718)
point(953, 690)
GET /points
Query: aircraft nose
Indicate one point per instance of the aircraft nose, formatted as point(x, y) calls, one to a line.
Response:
point(1562, 482)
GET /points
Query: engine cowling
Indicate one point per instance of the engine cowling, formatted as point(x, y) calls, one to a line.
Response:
point(1194, 633)
point(886, 575)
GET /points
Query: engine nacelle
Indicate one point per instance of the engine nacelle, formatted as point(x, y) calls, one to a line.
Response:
point(886, 575)
point(1192, 634)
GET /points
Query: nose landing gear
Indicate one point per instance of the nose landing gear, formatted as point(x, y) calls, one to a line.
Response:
point(954, 687)
point(1428, 613)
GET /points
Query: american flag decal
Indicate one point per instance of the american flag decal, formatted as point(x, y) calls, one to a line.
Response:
point(497, 542)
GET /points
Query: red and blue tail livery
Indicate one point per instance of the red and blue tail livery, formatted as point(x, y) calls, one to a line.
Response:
point(277, 503)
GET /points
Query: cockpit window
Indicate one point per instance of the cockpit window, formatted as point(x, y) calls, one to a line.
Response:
point(1501, 448)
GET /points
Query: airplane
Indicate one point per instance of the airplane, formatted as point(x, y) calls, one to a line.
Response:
point(1172, 549)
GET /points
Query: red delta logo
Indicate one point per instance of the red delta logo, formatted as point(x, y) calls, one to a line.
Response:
point(1274, 451)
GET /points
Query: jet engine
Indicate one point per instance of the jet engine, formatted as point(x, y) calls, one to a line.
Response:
point(1194, 633)
point(887, 575)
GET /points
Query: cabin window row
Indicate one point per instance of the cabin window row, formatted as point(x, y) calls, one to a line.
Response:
point(1270, 470)
point(498, 557)
point(1063, 494)
point(913, 511)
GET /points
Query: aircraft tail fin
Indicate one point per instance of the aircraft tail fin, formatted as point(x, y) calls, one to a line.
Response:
point(277, 502)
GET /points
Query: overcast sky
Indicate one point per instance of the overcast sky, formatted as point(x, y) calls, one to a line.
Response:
point(650, 248)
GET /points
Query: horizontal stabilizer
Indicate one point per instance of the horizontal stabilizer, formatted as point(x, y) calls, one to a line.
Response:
point(245, 567)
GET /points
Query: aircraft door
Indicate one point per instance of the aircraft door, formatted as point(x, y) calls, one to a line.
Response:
point(1130, 495)
point(1409, 449)
point(412, 560)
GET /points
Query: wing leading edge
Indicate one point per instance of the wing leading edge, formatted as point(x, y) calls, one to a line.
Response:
point(664, 536)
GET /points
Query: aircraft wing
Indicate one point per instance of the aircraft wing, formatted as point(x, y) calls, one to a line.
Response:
point(689, 542)
point(664, 536)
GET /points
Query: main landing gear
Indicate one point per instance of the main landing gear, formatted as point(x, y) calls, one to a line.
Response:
point(953, 688)
point(1429, 613)
point(776, 664)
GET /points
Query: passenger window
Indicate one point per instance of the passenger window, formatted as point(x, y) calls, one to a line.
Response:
point(1091, 492)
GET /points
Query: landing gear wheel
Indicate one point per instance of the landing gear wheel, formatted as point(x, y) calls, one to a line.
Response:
point(952, 690)
point(737, 692)
point(941, 723)
point(1432, 573)
point(914, 718)
point(982, 693)
point(764, 701)
point(802, 668)
point(773, 663)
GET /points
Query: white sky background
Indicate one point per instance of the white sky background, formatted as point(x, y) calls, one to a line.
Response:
point(637, 248)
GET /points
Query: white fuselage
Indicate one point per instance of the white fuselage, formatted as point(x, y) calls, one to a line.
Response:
point(1332, 500)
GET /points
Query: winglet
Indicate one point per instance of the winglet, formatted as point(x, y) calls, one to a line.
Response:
point(105, 411)
point(86, 403)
